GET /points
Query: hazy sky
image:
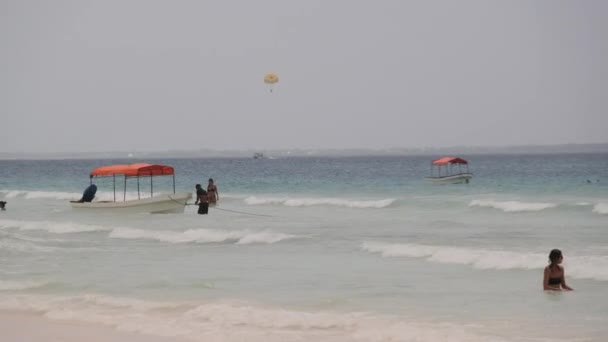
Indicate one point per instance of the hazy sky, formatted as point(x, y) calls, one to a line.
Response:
point(156, 75)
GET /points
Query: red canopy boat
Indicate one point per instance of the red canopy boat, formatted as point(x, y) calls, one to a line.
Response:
point(444, 171)
point(161, 203)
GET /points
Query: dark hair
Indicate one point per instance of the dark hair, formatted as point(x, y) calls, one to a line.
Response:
point(554, 256)
point(211, 179)
point(197, 186)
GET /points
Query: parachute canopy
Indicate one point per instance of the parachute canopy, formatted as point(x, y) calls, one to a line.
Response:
point(271, 78)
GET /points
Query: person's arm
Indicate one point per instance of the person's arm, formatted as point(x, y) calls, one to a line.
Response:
point(217, 194)
point(564, 286)
point(197, 198)
point(546, 280)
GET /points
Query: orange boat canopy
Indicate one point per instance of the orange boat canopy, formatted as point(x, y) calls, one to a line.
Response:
point(140, 169)
point(449, 160)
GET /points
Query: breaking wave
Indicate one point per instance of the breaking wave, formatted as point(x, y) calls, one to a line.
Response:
point(17, 245)
point(239, 237)
point(40, 194)
point(512, 206)
point(242, 237)
point(8, 285)
point(309, 202)
point(52, 227)
point(582, 267)
point(61, 195)
point(601, 208)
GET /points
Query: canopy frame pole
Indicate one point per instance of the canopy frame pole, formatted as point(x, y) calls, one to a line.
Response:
point(124, 198)
point(114, 182)
point(173, 182)
point(138, 187)
point(151, 186)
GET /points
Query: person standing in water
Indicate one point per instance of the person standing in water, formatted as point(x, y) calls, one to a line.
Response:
point(212, 192)
point(202, 199)
point(554, 277)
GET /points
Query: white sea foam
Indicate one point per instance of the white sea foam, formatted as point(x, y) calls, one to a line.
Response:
point(52, 227)
point(12, 193)
point(61, 195)
point(601, 208)
point(9, 285)
point(512, 206)
point(308, 202)
point(16, 245)
point(41, 194)
point(229, 321)
point(582, 267)
point(242, 237)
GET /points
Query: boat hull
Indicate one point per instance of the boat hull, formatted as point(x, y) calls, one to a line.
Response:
point(453, 179)
point(160, 204)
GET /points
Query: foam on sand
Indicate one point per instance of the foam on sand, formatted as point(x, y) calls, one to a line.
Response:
point(235, 321)
point(18, 326)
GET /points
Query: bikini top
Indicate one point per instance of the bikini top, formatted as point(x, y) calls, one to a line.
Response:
point(555, 281)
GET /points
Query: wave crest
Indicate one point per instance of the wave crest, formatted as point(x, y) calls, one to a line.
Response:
point(581, 267)
point(8, 285)
point(512, 206)
point(309, 202)
point(52, 227)
point(243, 237)
point(62, 195)
point(601, 208)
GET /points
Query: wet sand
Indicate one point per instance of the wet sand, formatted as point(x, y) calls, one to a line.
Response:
point(26, 327)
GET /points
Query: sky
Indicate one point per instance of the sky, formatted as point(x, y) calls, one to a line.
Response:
point(149, 75)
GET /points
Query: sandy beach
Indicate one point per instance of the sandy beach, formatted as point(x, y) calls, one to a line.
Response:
point(25, 327)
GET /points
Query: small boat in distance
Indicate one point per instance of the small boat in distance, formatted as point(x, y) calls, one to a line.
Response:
point(259, 155)
point(450, 175)
point(163, 203)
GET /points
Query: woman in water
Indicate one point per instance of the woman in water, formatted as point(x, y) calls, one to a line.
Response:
point(212, 192)
point(555, 277)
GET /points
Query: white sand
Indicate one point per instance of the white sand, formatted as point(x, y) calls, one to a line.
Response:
point(24, 327)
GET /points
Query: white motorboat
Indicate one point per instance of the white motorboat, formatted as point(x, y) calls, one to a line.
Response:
point(161, 203)
point(443, 171)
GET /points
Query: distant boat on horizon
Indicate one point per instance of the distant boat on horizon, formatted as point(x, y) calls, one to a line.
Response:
point(259, 155)
point(449, 175)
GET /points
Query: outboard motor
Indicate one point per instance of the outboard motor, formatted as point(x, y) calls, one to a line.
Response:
point(88, 194)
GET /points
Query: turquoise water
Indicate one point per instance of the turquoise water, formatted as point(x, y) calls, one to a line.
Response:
point(324, 249)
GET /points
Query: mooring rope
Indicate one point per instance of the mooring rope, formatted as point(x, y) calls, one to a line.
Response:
point(240, 212)
point(232, 211)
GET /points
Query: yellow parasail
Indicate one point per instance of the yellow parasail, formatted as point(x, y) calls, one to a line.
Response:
point(271, 78)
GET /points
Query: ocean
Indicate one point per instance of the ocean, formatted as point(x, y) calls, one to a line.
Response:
point(317, 249)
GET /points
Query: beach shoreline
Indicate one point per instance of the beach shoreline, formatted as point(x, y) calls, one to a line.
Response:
point(29, 327)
